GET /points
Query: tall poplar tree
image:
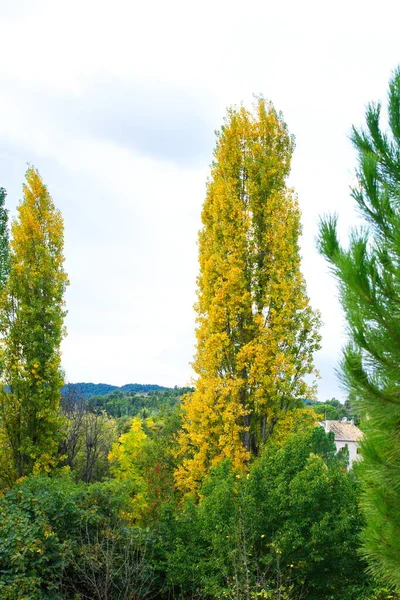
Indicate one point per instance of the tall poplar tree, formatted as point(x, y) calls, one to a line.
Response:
point(369, 279)
point(32, 313)
point(256, 332)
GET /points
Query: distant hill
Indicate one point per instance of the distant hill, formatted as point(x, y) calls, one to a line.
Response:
point(101, 389)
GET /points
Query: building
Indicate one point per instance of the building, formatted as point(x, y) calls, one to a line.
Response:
point(346, 434)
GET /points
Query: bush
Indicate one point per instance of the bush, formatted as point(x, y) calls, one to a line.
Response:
point(60, 538)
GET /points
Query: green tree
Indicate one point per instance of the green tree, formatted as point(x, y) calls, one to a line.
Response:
point(287, 529)
point(144, 457)
point(256, 332)
point(31, 320)
point(306, 516)
point(7, 473)
point(368, 273)
point(4, 241)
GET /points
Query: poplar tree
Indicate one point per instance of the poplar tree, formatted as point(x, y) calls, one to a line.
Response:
point(368, 273)
point(32, 313)
point(256, 333)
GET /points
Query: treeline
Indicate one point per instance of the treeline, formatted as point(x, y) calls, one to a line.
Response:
point(131, 403)
point(101, 389)
point(334, 410)
point(229, 490)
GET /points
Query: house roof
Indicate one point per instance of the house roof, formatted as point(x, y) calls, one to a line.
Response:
point(345, 431)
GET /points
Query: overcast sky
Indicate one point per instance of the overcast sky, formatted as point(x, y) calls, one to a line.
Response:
point(116, 104)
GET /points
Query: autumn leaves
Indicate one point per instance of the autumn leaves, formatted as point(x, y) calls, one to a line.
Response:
point(256, 332)
point(32, 311)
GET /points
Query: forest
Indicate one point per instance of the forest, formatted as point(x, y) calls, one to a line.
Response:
point(228, 489)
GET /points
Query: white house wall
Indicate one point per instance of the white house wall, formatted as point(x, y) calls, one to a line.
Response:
point(352, 446)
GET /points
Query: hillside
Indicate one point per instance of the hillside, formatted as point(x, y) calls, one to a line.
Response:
point(126, 401)
point(101, 389)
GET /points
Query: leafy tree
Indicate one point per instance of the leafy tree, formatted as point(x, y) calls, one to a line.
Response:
point(144, 458)
point(333, 409)
point(62, 540)
point(4, 241)
point(256, 332)
point(7, 474)
point(307, 519)
point(157, 462)
point(287, 529)
point(124, 462)
point(31, 320)
point(369, 278)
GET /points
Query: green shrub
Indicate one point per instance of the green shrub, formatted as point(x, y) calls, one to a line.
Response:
point(60, 539)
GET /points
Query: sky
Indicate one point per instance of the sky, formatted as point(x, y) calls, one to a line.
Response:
point(116, 104)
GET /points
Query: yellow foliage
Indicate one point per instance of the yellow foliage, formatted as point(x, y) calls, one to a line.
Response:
point(294, 421)
point(124, 453)
point(32, 311)
point(124, 463)
point(256, 332)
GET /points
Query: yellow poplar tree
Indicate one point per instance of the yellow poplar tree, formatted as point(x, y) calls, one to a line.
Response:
point(256, 332)
point(32, 312)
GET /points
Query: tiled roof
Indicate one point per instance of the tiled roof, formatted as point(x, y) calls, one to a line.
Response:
point(345, 431)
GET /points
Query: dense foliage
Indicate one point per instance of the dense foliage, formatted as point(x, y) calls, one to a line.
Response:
point(289, 527)
point(256, 332)
point(87, 390)
point(31, 325)
point(131, 404)
point(335, 410)
point(64, 540)
point(369, 276)
point(4, 240)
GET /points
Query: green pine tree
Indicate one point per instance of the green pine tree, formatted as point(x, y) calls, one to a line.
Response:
point(369, 278)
